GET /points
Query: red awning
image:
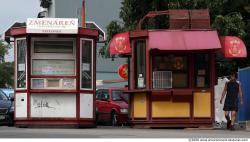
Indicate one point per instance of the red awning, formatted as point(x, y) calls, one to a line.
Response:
point(184, 40)
point(120, 44)
point(233, 47)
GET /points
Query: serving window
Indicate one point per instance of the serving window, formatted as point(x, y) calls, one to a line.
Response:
point(51, 58)
point(169, 71)
point(140, 63)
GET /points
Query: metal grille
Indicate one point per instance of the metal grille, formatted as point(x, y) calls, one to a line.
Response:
point(3, 110)
point(162, 79)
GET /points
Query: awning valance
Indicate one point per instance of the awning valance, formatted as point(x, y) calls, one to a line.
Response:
point(184, 40)
point(120, 44)
point(233, 47)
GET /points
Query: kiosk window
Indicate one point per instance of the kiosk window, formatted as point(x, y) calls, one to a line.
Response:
point(53, 47)
point(140, 63)
point(86, 64)
point(21, 47)
point(169, 71)
point(53, 57)
point(202, 71)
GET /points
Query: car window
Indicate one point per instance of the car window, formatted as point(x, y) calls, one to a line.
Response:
point(98, 95)
point(105, 95)
point(102, 95)
point(116, 95)
point(2, 96)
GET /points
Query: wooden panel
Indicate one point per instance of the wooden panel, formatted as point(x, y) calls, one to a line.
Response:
point(202, 104)
point(170, 109)
point(140, 105)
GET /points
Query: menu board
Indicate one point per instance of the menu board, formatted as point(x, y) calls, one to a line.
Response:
point(53, 67)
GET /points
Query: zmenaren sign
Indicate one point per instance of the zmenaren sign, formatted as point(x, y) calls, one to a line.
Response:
point(52, 25)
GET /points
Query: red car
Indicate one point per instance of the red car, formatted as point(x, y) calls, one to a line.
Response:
point(112, 106)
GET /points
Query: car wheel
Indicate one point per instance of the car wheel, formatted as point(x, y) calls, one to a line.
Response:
point(113, 119)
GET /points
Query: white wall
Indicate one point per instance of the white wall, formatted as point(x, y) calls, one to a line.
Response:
point(21, 105)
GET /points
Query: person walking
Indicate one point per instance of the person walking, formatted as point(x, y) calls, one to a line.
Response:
point(232, 90)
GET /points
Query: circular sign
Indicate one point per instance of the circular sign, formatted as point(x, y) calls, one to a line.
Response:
point(123, 71)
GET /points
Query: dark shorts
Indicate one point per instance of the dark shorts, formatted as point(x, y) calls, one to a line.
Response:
point(231, 104)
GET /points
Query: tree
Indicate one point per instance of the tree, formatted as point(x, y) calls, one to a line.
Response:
point(6, 74)
point(6, 69)
point(3, 49)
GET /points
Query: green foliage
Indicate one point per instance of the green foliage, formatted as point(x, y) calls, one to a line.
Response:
point(113, 28)
point(6, 69)
point(3, 48)
point(231, 24)
point(6, 74)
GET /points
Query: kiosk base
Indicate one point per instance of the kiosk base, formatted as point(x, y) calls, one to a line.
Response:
point(172, 125)
point(55, 124)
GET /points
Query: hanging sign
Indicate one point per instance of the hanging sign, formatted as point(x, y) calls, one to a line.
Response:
point(123, 71)
point(120, 44)
point(233, 47)
point(52, 25)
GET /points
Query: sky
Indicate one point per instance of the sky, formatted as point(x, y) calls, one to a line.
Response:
point(100, 11)
point(17, 11)
point(11, 11)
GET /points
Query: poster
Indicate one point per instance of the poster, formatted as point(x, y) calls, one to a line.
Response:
point(200, 81)
point(201, 72)
point(68, 83)
point(85, 66)
point(53, 67)
point(21, 67)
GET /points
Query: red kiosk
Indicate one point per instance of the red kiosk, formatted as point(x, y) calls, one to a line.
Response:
point(173, 71)
point(54, 73)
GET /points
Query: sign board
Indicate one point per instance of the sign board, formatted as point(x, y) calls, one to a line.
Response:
point(233, 47)
point(123, 71)
point(120, 44)
point(52, 25)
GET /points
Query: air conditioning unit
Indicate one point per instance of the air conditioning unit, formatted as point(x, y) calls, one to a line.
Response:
point(162, 79)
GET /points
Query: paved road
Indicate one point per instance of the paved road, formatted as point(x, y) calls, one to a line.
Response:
point(110, 132)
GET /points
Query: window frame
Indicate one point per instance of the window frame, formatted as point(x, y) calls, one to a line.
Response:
point(16, 63)
point(184, 71)
point(208, 74)
point(92, 65)
point(135, 63)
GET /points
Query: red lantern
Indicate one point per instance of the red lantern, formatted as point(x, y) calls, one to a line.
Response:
point(123, 71)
